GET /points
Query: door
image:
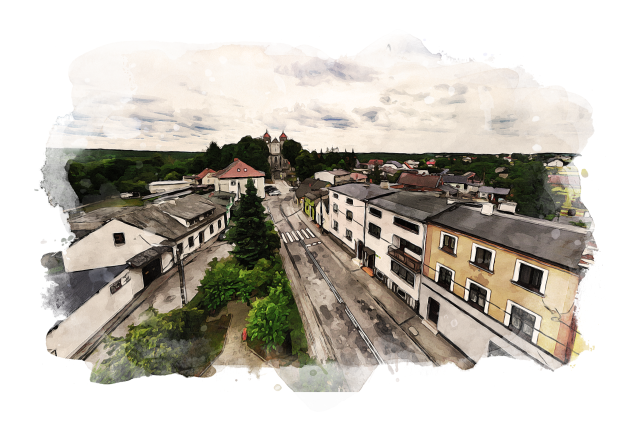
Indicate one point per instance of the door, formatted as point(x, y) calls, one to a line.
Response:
point(371, 260)
point(433, 311)
point(360, 249)
point(152, 271)
point(201, 237)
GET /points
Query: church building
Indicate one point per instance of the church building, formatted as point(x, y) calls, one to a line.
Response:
point(277, 162)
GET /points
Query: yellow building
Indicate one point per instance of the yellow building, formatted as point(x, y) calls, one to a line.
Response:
point(496, 283)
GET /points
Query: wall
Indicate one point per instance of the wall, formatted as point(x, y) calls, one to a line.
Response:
point(225, 185)
point(98, 250)
point(208, 235)
point(354, 225)
point(90, 317)
point(380, 246)
point(325, 176)
point(560, 291)
point(159, 188)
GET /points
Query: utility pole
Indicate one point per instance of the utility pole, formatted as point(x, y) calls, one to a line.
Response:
point(183, 287)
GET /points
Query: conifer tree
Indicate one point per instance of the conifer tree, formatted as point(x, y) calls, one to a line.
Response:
point(254, 238)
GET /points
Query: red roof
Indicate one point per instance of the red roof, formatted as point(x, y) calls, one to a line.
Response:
point(283, 134)
point(238, 169)
point(374, 162)
point(204, 173)
point(266, 135)
point(565, 180)
point(421, 181)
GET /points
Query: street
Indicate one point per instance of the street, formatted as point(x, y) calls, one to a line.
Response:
point(381, 339)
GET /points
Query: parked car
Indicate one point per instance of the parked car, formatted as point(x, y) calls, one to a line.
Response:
point(275, 193)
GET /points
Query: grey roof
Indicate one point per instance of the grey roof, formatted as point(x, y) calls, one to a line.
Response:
point(361, 191)
point(415, 205)
point(102, 215)
point(141, 259)
point(339, 172)
point(536, 237)
point(455, 179)
point(73, 289)
point(395, 163)
point(490, 190)
point(188, 207)
point(310, 184)
point(154, 220)
point(448, 188)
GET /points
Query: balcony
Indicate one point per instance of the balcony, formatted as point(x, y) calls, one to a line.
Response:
point(408, 261)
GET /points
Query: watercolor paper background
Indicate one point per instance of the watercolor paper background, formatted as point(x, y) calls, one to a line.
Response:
point(581, 48)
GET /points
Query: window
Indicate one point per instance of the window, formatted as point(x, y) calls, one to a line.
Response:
point(233, 183)
point(180, 248)
point(477, 296)
point(238, 169)
point(219, 224)
point(201, 237)
point(374, 230)
point(412, 227)
point(482, 257)
point(530, 277)
point(448, 243)
point(118, 238)
point(349, 215)
point(522, 322)
point(349, 235)
point(335, 195)
point(211, 229)
point(444, 277)
point(403, 273)
point(190, 241)
point(375, 212)
point(349, 201)
point(116, 286)
point(410, 246)
point(335, 207)
point(245, 170)
point(335, 225)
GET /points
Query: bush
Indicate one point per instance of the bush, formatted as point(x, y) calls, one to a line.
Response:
point(269, 317)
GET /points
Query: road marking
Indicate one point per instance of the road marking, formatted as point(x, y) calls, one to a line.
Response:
point(295, 237)
point(305, 234)
point(364, 336)
point(289, 237)
point(311, 233)
point(300, 235)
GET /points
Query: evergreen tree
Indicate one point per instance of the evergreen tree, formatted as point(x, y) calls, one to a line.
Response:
point(375, 176)
point(254, 238)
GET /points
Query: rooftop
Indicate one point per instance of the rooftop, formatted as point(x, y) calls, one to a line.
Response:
point(238, 169)
point(361, 191)
point(310, 184)
point(455, 179)
point(73, 289)
point(491, 190)
point(556, 243)
point(423, 181)
point(414, 205)
point(169, 182)
point(188, 207)
point(102, 215)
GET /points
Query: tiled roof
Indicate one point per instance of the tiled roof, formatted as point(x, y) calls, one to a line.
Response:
point(423, 181)
point(231, 171)
point(205, 172)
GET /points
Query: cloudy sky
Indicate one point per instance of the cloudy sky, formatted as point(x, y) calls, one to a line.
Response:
point(395, 95)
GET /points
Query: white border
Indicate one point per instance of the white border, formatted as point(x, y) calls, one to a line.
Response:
point(442, 234)
point(453, 275)
point(545, 275)
point(507, 319)
point(474, 246)
point(467, 289)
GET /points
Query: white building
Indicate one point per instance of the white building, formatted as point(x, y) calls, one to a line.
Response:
point(334, 177)
point(395, 234)
point(234, 177)
point(347, 209)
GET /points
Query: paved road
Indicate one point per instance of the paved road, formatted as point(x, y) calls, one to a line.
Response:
point(349, 346)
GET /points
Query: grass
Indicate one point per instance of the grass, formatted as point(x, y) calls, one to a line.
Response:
point(114, 202)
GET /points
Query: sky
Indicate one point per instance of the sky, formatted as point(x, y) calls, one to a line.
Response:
point(394, 95)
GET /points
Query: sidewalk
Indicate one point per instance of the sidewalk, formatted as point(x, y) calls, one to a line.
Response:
point(436, 347)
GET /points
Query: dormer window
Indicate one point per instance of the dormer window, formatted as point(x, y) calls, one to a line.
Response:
point(233, 183)
point(239, 169)
point(245, 170)
point(118, 238)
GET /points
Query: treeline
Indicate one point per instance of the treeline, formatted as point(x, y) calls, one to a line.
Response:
point(307, 163)
point(96, 174)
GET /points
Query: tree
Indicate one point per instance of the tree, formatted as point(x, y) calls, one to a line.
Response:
point(252, 237)
point(173, 176)
point(268, 319)
point(158, 345)
point(291, 149)
point(222, 282)
point(212, 157)
point(375, 175)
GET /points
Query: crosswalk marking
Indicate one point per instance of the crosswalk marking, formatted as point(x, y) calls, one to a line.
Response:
point(304, 233)
point(299, 235)
point(311, 233)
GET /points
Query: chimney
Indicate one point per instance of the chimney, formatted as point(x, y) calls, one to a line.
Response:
point(507, 207)
point(384, 184)
point(487, 209)
point(236, 159)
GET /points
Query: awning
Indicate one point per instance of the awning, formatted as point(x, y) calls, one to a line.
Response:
point(369, 251)
point(144, 258)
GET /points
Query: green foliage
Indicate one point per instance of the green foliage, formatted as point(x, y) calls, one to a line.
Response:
point(254, 239)
point(268, 319)
point(173, 176)
point(223, 282)
point(579, 223)
point(375, 175)
point(158, 345)
point(291, 149)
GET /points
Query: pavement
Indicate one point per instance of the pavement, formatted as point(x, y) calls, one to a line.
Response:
point(235, 352)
